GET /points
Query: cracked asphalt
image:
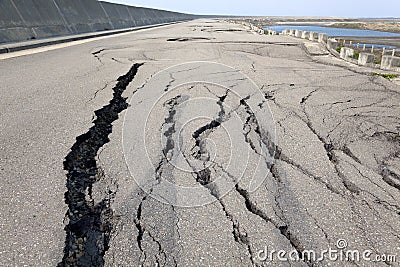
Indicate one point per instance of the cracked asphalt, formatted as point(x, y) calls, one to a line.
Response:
point(195, 144)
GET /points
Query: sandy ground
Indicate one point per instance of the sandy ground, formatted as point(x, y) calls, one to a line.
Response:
point(389, 26)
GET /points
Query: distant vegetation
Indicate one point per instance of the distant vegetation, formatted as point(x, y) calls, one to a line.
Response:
point(382, 26)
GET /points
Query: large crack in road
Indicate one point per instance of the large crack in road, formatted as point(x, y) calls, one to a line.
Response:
point(205, 176)
point(161, 256)
point(175, 187)
point(90, 225)
point(155, 249)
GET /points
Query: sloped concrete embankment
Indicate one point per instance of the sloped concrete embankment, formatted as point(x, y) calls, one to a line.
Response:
point(22, 20)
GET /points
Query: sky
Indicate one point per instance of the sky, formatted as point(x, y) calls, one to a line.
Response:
point(336, 8)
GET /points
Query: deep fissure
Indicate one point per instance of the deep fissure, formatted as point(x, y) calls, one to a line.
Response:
point(90, 226)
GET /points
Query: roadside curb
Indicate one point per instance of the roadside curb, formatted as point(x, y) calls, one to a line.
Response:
point(14, 47)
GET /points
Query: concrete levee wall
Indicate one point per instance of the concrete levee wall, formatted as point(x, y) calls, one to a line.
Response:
point(22, 20)
point(82, 16)
point(118, 15)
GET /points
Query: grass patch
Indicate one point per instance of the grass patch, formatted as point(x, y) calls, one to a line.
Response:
point(338, 49)
point(386, 76)
point(377, 60)
point(356, 54)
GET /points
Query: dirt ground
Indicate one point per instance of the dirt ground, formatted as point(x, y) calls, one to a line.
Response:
point(385, 26)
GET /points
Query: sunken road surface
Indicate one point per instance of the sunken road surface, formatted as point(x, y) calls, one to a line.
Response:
point(196, 144)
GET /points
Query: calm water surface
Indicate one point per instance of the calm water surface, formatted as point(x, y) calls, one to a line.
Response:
point(335, 32)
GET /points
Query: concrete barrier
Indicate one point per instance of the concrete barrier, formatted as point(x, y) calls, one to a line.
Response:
point(390, 63)
point(323, 38)
point(305, 35)
point(313, 36)
point(332, 44)
point(33, 19)
point(366, 59)
point(346, 52)
point(298, 33)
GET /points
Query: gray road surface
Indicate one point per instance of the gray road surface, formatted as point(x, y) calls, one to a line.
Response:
point(198, 144)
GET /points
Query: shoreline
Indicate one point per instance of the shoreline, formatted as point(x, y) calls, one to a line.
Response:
point(380, 27)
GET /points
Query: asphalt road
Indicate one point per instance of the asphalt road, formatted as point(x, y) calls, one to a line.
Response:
point(197, 144)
